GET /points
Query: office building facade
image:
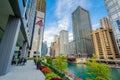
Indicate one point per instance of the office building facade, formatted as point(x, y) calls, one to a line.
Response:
point(113, 8)
point(81, 32)
point(39, 29)
point(105, 22)
point(104, 43)
point(48, 52)
point(64, 42)
point(57, 45)
point(72, 49)
point(52, 49)
point(17, 19)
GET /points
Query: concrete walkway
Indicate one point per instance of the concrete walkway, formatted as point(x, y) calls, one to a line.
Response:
point(27, 72)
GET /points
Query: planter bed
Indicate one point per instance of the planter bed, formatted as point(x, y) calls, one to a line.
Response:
point(50, 75)
point(56, 71)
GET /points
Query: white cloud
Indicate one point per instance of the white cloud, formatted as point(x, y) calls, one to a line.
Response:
point(66, 7)
point(70, 36)
point(50, 32)
point(63, 11)
point(63, 24)
point(95, 26)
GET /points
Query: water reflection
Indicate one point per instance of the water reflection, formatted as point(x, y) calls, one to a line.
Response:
point(115, 74)
point(80, 71)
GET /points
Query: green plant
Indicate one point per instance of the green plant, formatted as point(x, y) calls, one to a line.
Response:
point(99, 78)
point(31, 58)
point(39, 60)
point(100, 71)
point(61, 63)
point(51, 75)
point(88, 79)
point(49, 60)
point(55, 79)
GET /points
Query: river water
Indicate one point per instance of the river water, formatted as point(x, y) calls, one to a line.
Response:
point(79, 70)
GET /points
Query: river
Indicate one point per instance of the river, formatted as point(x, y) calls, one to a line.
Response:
point(79, 70)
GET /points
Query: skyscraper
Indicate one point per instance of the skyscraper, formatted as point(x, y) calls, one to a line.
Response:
point(72, 49)
point(44, 48)
point(105, 22)
point(57, 45)
point(104, 43)
point(81, 31)
point(52, 49)
point(113, 8)
point(39, 29)
point(64, 42)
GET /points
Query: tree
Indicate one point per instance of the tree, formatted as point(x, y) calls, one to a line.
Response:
point(61, 63)
point(100, 71)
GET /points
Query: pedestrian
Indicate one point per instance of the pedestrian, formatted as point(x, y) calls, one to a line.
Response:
point(18, 58)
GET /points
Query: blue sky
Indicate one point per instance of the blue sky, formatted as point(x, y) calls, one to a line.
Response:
point(58, 15)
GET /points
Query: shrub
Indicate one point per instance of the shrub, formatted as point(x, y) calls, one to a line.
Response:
point(51, 75)
point(46, 70)
point(39, 60)
point(31, 58)
point(61, 63)
point(49, 60)
point(55, 79)
point(99, 78)
point(88, 79)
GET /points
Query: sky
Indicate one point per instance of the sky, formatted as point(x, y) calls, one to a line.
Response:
point(58, 16)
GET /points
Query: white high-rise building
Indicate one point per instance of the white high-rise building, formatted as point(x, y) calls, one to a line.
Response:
point(38, 36)
point(64, 42)
point(39, 29)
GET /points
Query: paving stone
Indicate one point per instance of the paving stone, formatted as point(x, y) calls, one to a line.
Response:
point(26, 72)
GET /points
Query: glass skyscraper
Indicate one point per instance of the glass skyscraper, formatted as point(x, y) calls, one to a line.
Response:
point(113, 8)
point(82, 32)
point(44, 49)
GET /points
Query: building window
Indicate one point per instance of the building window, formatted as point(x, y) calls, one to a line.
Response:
point(119, 47)
point(27, 8)
point(114, 16)
point(117, 41)
point(110, 3)
point(24, 2)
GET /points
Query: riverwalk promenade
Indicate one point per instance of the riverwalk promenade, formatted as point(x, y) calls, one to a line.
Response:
point(26, 72)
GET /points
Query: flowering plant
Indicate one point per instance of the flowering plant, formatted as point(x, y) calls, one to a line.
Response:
point(46, 70)
point(42, 67)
